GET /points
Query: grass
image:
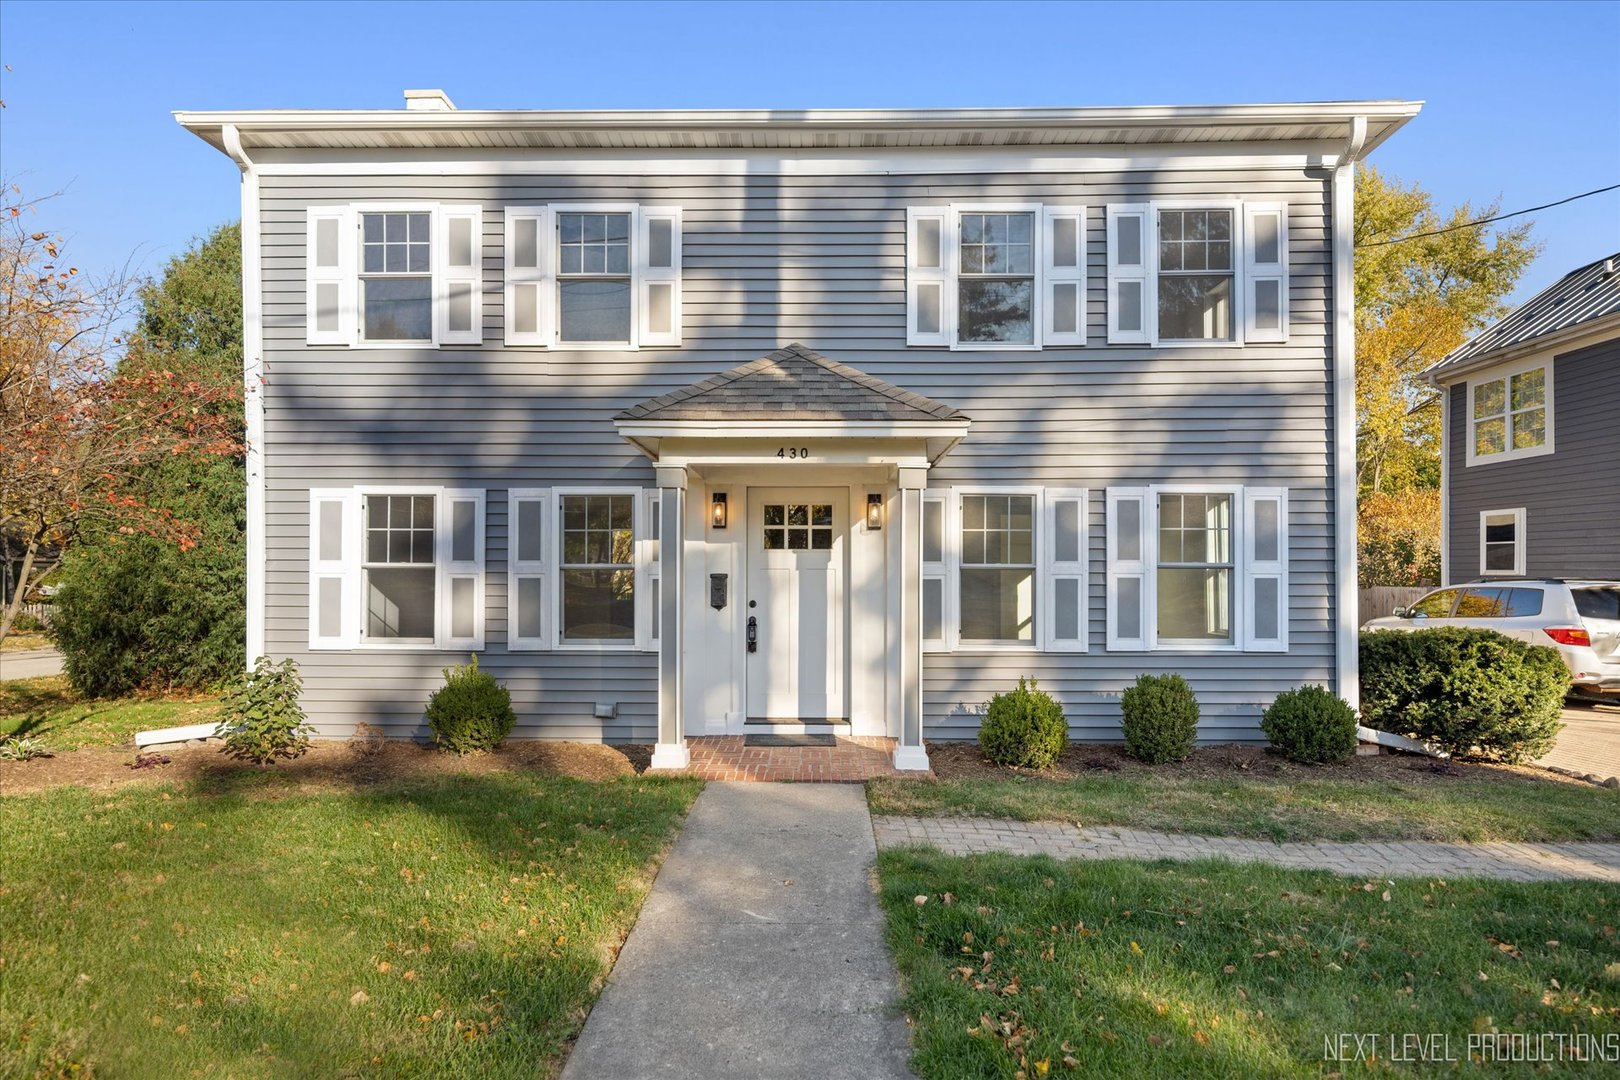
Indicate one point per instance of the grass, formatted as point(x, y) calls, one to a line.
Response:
point(1468, 808)
point(47, 709)
point(453, 927)
point(24, 640)
point(1031, 967)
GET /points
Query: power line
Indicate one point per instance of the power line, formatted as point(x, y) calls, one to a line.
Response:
point(1487, 221)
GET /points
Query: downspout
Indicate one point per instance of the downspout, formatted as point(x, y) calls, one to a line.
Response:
point(252, 391)
point(1347, 665)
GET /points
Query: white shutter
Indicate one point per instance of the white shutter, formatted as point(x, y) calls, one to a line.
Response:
point(530, 300)
point(1064, 248)
point(1265, 569)
point(1130, 285)
point(528, 552)
point(648, 571)
point(334, 568)
point(941, 627)
point(1064, 558)
point(458, 268)
point(329, 255)
point(1265, 266)
point(1130, 570)
point(930, 256)
point(658, 269)
point(461, 570)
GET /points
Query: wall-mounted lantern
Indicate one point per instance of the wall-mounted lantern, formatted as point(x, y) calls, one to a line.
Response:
point(874, 511)
point(717, 512)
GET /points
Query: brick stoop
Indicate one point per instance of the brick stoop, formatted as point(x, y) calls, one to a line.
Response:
point(724, 757)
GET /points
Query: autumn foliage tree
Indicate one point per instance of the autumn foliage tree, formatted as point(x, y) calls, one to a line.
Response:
point(77, 436)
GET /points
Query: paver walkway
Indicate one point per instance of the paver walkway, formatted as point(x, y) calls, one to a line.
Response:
point(759, 952)
point(724, 757)
point(1589, 745)
point(1509, 861)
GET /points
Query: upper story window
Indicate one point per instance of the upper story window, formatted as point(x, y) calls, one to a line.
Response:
point(396, 277)
point(1510, 414)
point(593, 276)
point(995, 276)
point(1210, 272)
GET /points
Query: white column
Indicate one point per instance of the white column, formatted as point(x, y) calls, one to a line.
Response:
point(671, 751)
point(907, 523)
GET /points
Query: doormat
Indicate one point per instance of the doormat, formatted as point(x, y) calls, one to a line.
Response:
point(790, 740)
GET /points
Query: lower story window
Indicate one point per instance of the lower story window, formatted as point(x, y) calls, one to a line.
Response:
point(1194, 573)
point(598, 568)
point(1501, 542)
point(399, 570)
point(998, 569)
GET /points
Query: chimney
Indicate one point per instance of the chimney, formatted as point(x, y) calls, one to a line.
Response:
point(428, 101)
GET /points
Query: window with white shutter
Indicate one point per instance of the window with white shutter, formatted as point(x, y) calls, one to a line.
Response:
point(330, 276)
point(528, 607)
point(461, 570)
point(1065, 570)
point(1065, 255)
point(459, 268)
point(1265, 569)
point(1265, 241)
point(658, 263)
point(930, 297)
point(1130, 285)
point(529, 276)
point(1130, 584)
point(334, 561)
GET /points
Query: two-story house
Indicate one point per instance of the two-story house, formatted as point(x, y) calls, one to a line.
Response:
point(1530, 466)
point(693, 423)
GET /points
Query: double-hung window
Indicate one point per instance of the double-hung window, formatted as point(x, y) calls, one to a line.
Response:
point(396, 568)
point(1197, 273)
point(598, 568)
point(1194, 571)
point(396, 276)
point(593, 277)
point(997, 590)
point(1510, 414)
point(996, 280)
point(1502, 542)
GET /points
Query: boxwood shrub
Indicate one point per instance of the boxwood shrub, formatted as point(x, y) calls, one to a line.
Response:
point(471, 711)
point(1311, 725)
point(1159, 718)
point(1470, 691)
point(1024, 728)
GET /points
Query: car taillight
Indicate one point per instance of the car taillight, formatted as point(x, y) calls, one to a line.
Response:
point(1568, 635)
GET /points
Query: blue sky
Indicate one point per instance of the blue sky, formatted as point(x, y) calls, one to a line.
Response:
point(1522, 103)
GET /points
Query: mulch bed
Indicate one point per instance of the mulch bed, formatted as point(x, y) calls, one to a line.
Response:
point(965, 761)
point(329, 765)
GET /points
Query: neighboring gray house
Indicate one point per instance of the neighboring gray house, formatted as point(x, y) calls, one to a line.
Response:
point(833, 420)
point(1530, 473)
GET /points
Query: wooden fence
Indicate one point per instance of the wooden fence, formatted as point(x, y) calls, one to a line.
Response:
point(1380, 600)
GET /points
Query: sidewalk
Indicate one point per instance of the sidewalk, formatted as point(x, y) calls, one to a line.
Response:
point(759, 952)
point(30, 663)
point(1507, 861)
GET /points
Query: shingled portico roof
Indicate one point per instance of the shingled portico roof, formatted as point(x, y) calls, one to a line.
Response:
point(792, 384)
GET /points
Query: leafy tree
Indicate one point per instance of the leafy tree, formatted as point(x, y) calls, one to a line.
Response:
point(135, 609)
point(1399, 538)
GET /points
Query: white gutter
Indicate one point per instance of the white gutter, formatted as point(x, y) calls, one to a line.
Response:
point(164, 736)
point(252, 392)
point(1347, 665)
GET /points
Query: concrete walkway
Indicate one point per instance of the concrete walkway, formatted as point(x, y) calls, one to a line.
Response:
point(1508, 861)
point(30, 663)
point(759, 953)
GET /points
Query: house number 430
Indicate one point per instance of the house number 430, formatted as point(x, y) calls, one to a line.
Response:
point(792, 453)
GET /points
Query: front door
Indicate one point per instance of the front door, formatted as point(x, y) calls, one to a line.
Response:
point(795, 603)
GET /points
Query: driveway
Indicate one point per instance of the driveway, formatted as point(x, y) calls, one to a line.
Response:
point(1589, 743)
point(29, 663)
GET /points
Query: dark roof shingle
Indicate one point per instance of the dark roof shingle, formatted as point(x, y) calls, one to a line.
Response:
point(796, 382)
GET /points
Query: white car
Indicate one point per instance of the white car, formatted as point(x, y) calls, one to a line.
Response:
point(1581, 618)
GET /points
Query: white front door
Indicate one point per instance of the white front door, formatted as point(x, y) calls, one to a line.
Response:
point(795, 610)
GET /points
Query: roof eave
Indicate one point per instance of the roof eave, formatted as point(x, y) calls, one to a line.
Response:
point(1446, 372)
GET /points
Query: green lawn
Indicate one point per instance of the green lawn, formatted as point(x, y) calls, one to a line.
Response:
point(1476, 806)
point(47, 709)
point(457, 926)
point(23, 641)
point(1211, 970)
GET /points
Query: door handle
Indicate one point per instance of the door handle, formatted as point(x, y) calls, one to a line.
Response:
point(753, 634)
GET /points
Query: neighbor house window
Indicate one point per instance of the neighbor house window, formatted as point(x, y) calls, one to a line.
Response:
point(1195, 565)
point(593, 277)
point(1508, 415)
point(997, 586)
point(598, 568)
point(996, 278)
point(396, 276)
point(1196, 278)
point(398, 570)
point(1502, 542)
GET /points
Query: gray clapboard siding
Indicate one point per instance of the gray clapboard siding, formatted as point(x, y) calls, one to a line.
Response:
point(819, 259)
point(1570, 496)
